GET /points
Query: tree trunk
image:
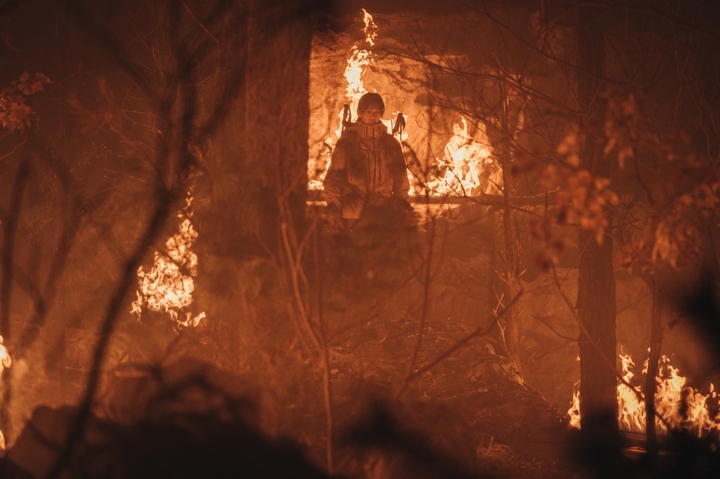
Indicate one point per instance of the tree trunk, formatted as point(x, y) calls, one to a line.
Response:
point(596, 281)
point(277, 116)
point(651, 383)
point(277, 111)
point(596, 308)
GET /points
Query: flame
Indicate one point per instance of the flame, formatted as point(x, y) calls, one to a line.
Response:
point(358, 62)
point(370, 30)
point(465, 162)
point(631, 411)
point(574, 411)
point(168, 286)
point(354, 72)
point(5, 359)
point(5, 362)
point(680, 406)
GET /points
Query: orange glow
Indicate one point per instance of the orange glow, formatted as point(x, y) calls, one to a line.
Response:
point(631, 411)
point(464, 163)
point(370, 30)
point(5, 362)
point(468, 167)
point(169, 285)
point(356, 66)
point(694, 417)
point(574, 411)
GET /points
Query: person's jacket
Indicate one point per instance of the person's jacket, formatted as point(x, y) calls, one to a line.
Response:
point(367, 165)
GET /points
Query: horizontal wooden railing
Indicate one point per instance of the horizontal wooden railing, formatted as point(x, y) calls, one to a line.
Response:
point(318, 197)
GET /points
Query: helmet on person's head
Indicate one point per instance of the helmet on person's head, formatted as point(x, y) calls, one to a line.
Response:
point(370, 99)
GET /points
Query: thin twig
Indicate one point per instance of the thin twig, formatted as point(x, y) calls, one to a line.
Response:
point(192, 15)
point(557, 333)
point(327, 373)
point(160, 215)
point(479, 331)
point(294, 254)
point(426, 298)
point(298, 296)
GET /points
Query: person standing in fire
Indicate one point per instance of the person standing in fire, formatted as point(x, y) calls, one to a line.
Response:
point(367, 169)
